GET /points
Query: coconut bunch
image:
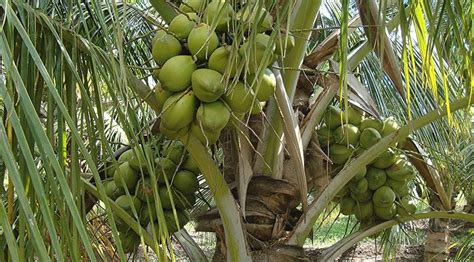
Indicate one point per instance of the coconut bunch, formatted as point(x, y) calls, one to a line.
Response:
point(380, 191)
point(207, 73)
point(177, 182)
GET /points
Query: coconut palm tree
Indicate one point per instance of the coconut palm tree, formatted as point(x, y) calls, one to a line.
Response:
point(77, 91)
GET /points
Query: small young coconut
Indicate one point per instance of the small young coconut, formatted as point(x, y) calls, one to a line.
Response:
point(179, 110)
point(254, 52)
point(213, 116)
point(196, 6)
point(202, 41)
point(173, 81)
point(182, 25)
point(221, 61)
point(263, 84)
point(239, 98)
point(165, 46)
point(161, 95)
point(206, 137)
point(207, 85)
point(219, 13)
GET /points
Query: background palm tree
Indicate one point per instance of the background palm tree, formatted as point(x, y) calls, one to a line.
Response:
point(76, 84)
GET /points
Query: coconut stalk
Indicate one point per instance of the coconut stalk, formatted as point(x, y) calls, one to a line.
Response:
point(305, 224)
point(301, 23)
point(293, 135)
point(231, 218)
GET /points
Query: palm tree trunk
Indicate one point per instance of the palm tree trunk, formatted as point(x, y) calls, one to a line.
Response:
point(437, 239)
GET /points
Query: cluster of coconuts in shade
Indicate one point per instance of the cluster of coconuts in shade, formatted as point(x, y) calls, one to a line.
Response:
point(379, 191)
point(207, 73)
point(176, 184)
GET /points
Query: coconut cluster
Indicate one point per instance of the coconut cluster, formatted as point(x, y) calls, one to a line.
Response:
point(177, 183)
point(207, 73)
point(379, 191)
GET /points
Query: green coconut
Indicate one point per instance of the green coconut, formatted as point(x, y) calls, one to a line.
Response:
point(213, 116)
point(184, 200)
point(182, 25)
point(179, 110)
point(148, 214)
point(175, 223)
point(176, 152)
point(257, 107)
point(191, 165)
point(125, 156)
point(385, 160)
point(384, 197)
point(376, 178)
point(138, 162)
point(339, 154)
point(239, 98)
point(406, 207)
point(333, 117)
point(360, 186)
point(385, 213)
point(360, 174)
point(347, 206)
point(109, 169)
point(219, 13)
point(325, 136)
point(347, 133)
point(204, 136)
point(359, 151)
point(343, 192)
point(284, 44)
point(354, 116)
point(179, 199)
point(156, 73)
point(401, 170)
point(165, 169)
point(390, 125)
point(165, 198)
point(400, 188)
point(175, 75)
point(254, 50)
point(361, 197)
point(202, 41)
point(195, 6)
point(207, 85)
point(372, 123)
point(130, 241)
point(251, 14)
point(173, 134)
point(144, 190)
point(112, 190)
point(263, 84)
point(364, 211)
point(190, 200)
point(128, 203)
point(161, 95)
point(369, 137)
point(165, 46)
point(222, 61)
point(186, 182)
point(125, 176)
